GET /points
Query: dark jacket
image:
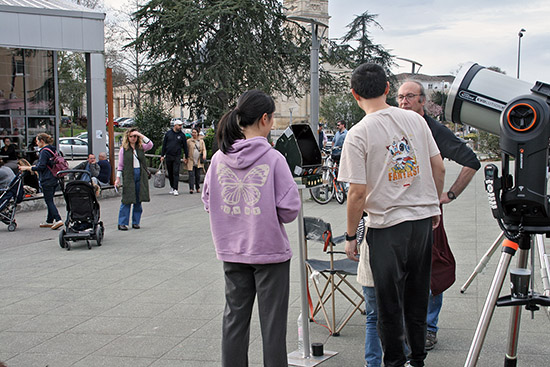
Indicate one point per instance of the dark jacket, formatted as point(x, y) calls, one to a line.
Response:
point(94, 169)
point(173, 143)
point(104, 171)
point(128, 186)
point(9, 151)
point(450, 146)
point(43, 166)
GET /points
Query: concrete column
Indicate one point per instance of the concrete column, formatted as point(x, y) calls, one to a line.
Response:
point(95, 95)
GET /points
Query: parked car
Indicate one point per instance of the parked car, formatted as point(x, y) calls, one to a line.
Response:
point(84, 136)
point(73, 147)
point(115, 122)
point(127, 122)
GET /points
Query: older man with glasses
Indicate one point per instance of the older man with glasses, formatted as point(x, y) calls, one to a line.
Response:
point(411, 96)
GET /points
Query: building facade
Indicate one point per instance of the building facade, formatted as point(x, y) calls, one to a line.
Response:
point(31, 34)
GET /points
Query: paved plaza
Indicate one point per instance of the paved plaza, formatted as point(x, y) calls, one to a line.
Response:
point(154, 296)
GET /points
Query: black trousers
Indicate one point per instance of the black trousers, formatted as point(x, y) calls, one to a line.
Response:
point(242, 282)
point(400, 259)
point(173, 168)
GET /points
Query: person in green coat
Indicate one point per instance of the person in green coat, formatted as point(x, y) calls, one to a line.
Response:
point(135, 182)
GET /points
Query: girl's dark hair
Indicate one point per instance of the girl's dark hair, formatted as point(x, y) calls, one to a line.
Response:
point(197, 130)
point(250, 107)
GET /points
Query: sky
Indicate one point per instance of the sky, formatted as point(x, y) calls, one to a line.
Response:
point(442, 35)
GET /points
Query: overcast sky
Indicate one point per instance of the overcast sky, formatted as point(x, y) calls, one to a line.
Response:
point(442, 34)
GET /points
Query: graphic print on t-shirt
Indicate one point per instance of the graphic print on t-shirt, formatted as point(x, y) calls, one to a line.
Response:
point(402, 165)
point(233, 188)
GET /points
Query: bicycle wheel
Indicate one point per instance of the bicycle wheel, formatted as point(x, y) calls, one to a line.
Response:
point(340, 192)
point(324, 193)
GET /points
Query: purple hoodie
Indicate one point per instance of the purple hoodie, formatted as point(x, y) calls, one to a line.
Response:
point(249, 194)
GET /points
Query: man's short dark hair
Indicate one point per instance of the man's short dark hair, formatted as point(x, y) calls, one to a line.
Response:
point(341, 122)
point(369, 80)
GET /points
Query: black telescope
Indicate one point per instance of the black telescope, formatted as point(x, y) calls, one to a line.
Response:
point(520, 114)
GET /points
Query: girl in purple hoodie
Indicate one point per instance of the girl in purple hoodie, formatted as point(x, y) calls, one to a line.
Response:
point(249, 193)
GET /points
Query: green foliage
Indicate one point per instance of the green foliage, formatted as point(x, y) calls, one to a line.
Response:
point(208, 140)
point(205, 53)
point(340, 107)
point(72, 82)
point(362, 48)
point(153, 121)
point(489, 144)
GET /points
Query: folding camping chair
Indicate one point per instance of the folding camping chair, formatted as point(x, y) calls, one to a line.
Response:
point(333, 272)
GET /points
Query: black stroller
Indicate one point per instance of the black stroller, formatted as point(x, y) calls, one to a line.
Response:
point(9, 198)
point(83, 214)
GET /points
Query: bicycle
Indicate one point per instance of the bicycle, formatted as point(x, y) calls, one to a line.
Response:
point(330, 187)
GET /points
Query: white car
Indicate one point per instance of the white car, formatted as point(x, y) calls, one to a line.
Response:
point(73, 147)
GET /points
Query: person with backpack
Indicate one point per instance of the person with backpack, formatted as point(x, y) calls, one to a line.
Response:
point(48, 182)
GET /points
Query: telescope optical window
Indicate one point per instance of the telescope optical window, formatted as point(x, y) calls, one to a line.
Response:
point(522, 117)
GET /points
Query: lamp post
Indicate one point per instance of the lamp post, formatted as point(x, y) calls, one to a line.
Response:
point(520, 34)
point(314, 67)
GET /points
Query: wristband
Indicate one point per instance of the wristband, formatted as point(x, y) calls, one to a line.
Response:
point(350, 238)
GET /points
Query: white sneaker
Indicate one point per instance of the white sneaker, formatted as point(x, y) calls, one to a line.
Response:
point(171, 190)
point(176, 193)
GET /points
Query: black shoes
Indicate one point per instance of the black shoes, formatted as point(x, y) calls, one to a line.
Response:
point(122, 227)
point(431, 340)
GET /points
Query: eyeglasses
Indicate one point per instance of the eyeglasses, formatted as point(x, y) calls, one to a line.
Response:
point(408, 97)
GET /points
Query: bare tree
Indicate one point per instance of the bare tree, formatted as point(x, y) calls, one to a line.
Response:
point(126, 60)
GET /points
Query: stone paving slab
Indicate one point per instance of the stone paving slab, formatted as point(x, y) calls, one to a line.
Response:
point(154, 297)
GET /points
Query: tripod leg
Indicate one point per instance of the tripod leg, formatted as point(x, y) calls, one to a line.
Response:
point(483, 262)
point(544, 264)
point(508, 250)
point(515, 319)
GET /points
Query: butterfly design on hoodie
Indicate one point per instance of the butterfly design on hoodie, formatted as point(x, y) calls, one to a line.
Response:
point(233, 188)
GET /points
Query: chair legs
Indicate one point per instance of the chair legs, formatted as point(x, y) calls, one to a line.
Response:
point(334, 282)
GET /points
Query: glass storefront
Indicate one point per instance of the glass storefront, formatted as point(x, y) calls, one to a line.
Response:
point(27, 103)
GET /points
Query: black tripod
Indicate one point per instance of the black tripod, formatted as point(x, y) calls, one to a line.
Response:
point(531, 302)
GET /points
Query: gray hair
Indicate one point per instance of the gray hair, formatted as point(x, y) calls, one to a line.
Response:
point(422, 90)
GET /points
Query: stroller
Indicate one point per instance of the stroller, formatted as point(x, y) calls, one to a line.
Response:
point(9, 198)
point(82, 222)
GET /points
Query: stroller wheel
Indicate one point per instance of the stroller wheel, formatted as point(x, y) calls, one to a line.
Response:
point(89, 245)
point(62, 241)
point(12, 226)
point(99, 234)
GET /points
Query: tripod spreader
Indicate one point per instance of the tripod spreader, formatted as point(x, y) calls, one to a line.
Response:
point(531, 303)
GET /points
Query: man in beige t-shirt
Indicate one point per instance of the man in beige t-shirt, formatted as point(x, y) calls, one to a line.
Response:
point(396, 175)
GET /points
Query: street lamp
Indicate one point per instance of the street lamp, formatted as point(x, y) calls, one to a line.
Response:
point(520, 34)
point(314, 67)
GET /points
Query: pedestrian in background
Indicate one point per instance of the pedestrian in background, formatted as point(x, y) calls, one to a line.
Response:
point(172, 145)
point(197, 157)
point(48, 183)
point(250, 193)
point(135, 182)
point(104, 176)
